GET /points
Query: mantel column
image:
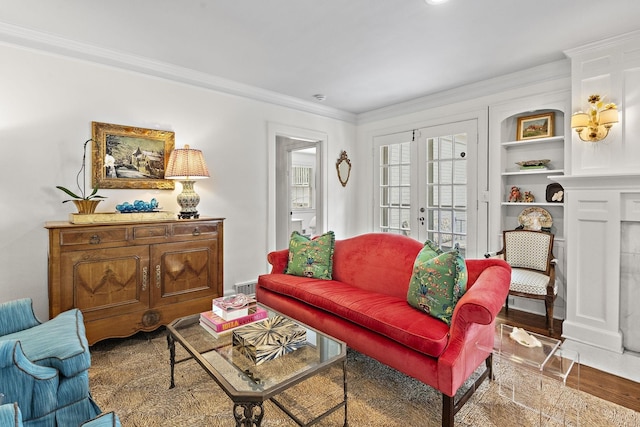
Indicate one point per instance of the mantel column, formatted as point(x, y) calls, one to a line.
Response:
point(593, 263)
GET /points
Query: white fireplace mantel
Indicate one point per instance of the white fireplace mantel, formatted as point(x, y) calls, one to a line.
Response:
point(595, 206)
point(619, 183)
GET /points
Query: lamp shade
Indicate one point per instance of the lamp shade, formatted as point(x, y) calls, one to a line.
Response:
point(185, 164)
point(609, 116)
point(579, 120)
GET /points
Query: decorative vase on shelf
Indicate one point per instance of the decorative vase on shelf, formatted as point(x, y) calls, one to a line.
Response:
point(85, 206)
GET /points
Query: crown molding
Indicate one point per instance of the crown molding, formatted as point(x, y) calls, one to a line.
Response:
point(27, 38)
point(517, 80)
point(607, 43)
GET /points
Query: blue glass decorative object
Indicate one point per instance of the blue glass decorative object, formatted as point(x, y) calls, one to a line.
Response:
point(138, 206)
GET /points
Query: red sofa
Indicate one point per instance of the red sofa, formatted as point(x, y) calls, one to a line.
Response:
point(365, 305)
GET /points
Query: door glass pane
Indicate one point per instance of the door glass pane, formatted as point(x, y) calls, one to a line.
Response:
point(446, 198)
point(395, 186)
point(459, 172)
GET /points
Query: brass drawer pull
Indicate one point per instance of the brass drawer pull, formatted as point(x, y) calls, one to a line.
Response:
point(196, 231)
point(158, 276)
point(145, 277)
point(94, 240)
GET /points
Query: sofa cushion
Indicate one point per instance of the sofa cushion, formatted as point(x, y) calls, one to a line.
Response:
point(59, 343)
point(387, 315)
point(311, 257)
point(437, 283)
point(429, 250)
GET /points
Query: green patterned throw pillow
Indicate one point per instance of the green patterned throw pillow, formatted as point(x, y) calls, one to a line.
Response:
point(311, 257)
point(438, 281)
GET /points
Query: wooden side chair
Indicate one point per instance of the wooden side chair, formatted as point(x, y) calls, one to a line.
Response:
point(530, 254)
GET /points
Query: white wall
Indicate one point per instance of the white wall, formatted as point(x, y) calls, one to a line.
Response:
point(47, 104)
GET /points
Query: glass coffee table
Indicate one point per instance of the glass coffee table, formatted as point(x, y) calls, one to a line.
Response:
point(249, 384)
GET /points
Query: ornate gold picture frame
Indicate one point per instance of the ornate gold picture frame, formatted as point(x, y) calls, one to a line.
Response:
point(131, 157)
point(533, 127)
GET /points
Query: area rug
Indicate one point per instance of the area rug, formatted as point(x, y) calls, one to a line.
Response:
point(131, 377)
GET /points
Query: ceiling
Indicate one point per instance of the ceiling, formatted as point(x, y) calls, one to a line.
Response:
point(361, 54)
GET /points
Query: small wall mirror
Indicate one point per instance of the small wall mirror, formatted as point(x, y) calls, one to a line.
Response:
point(343, 166)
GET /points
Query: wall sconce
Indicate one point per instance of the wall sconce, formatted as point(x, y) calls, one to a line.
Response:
point(594, 125)
point(186, 165)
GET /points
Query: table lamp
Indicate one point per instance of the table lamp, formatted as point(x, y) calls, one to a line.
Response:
point(186, 165)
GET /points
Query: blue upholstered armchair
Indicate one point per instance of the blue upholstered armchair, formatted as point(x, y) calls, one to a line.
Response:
point(11, 416)
point(44, 366)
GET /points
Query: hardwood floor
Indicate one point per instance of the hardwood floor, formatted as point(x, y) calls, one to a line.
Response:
point(615, 389)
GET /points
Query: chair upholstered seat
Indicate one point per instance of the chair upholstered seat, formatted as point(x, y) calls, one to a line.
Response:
point(530, 282)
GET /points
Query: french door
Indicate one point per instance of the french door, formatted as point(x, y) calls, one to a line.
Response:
point(428, 184)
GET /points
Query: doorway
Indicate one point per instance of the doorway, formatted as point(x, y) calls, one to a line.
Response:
point(296, 168)
point(428, 185)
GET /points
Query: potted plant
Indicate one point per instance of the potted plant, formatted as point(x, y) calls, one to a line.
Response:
point(85, 203)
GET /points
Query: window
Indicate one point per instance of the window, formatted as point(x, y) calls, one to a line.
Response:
point(395, 188)
point(301, 187)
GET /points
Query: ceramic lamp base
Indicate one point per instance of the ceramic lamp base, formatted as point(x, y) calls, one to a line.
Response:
point(188, 200)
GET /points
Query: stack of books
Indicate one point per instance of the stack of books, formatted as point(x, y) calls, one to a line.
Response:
point(225, 318)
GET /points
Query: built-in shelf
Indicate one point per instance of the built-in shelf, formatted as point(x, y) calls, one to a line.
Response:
point(534, 172)
point(534, 141)
point(531, 204)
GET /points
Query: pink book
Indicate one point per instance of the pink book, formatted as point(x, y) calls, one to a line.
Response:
point(218, 324)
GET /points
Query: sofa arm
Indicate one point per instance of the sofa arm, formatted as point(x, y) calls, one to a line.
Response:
point(486, 295)
point(17, 316)
point(33, 387)
point(278, 260)
point(10, 415)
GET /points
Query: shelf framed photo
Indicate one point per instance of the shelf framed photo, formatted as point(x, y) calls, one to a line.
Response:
point(131, 157)
point(534, 127)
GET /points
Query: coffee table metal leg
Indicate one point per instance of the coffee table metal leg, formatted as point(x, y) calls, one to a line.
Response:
point(171, 342)
point(344, 379)
point(248, 414)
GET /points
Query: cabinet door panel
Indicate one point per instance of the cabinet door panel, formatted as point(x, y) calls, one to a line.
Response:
point(183, 271)
point(106, 282)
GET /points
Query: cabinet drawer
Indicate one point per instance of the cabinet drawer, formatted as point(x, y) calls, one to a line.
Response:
point(150, 231)
point(93, 237)
point(195, 229)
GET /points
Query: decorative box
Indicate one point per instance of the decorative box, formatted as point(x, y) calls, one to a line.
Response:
point(269, 339)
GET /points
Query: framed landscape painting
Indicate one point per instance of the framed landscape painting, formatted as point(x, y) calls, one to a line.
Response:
point(131, 157)
point(532, 127)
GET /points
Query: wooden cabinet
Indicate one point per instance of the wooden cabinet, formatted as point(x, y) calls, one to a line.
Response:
point(135, 276)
